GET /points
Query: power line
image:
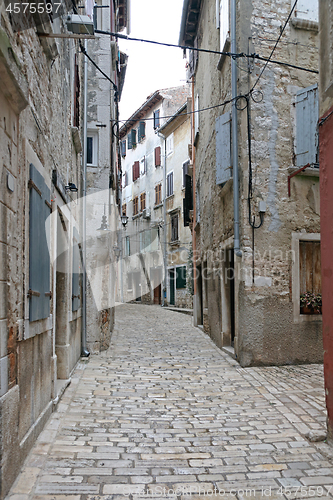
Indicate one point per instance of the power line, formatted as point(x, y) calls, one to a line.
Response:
point(276, 43)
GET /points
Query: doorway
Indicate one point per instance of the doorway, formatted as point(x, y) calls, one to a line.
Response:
point(172, 286)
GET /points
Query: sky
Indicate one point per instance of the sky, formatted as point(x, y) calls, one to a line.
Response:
point(151, 67)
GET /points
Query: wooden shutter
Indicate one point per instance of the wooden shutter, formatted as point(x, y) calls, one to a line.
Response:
point(141, 131)
point(76, 272)
point(310, 267)
point(39, 256)
point(158, 156)
point(133, 135)
point(129, 141)
point(136, 170)
point(223, 148)
point(156, 119)
point(187, 201)
point(181, 277)
point(307, 114)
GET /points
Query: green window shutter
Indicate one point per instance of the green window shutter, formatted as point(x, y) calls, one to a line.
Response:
point(39, 256)
point(129, 141)
point(181, 277)
point(76, 272)
point(133, 134)
point(141, 131)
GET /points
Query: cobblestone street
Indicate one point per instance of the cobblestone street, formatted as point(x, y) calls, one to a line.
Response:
point(165, 413)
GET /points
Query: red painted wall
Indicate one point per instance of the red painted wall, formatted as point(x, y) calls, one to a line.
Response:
point(326, 215)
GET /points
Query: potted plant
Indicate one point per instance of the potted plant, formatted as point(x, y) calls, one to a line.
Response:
point(310, 303)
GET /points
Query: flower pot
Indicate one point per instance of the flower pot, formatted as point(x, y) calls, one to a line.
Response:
point(310, 310)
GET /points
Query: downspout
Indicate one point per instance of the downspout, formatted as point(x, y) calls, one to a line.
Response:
point(84, 350)
point(234, 131)
point(194, 235)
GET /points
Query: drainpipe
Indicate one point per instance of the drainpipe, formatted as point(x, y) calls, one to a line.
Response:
point(194, 235)
point(84, 350)
point(234, 131)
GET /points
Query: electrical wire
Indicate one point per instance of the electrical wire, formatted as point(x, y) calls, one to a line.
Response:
point(276, 43)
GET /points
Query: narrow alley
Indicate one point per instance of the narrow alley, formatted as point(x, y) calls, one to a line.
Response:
point(165, 413)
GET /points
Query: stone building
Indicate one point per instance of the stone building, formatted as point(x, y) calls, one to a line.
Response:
point(41, 223)
point(144, 259)
point(256, 232)
point(326, 187)
point(176, 132)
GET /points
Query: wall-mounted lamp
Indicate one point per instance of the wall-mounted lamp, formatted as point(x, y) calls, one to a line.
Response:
point(124, 220)
point(71, 187)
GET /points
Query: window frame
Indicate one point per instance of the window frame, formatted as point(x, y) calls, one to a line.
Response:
point(143, 201)
point(169, 185)
point(297, 316)
point(156, 115)
point(158, 194)
point(93, 135)
point(174, 228)
point(135, 206)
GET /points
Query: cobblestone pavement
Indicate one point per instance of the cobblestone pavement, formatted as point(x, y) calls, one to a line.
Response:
point(164, 413)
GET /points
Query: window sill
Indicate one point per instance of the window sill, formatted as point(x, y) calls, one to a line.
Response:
point(136, 216)
point(158, 206)
point(305, 24)
point(170, 196)
point(309, 172)
point(174, 243)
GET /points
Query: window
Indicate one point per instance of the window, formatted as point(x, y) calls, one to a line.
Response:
point(92, 148)
point(123, 148)
point(222, 20)
point(174, 227)
point(306, 273)
point(169, 145)
point(309, 267)
point(39, 257)
point(157, 154)
point(131, 139)
point(158, 194)
point(186, 165)
point(223, 148)
point(156, 119)
point(181, 277)
point(142, 201)
point(143, 166)
point(136, 170)
point(170, 184)
point(306, 9)
point(307, 114)
point(187, 201)
point(127, 248)
point(135, 205)
point(123, 209)
point(141, 131)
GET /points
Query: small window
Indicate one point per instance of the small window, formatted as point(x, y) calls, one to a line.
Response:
point(186, 165)
point(222, 21)
point(156, 119)
point(142, 201)
point(135, 205)
point(174, 228)
point(310, 277)
point(136, 170)
point(92, 149)
point(158, 194)
point(170, 184)
point(169, 145)
point(307, 114)
point(141, 131)
point(123, 209)
point(157, 154)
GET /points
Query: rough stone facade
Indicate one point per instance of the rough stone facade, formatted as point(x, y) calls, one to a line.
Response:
point(252, 303)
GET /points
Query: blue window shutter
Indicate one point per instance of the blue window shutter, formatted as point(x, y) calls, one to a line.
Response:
point(76, 272)
point(223, 149)
point(307, 114)
point(39, 256)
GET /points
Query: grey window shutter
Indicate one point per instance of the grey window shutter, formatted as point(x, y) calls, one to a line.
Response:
point(39, 256)
point(307, 114)
point(76, 272)
point(223, 149)
point(123, 148)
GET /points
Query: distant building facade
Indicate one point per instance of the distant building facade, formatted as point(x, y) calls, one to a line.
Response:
point(144, 251)
point(256, 235)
